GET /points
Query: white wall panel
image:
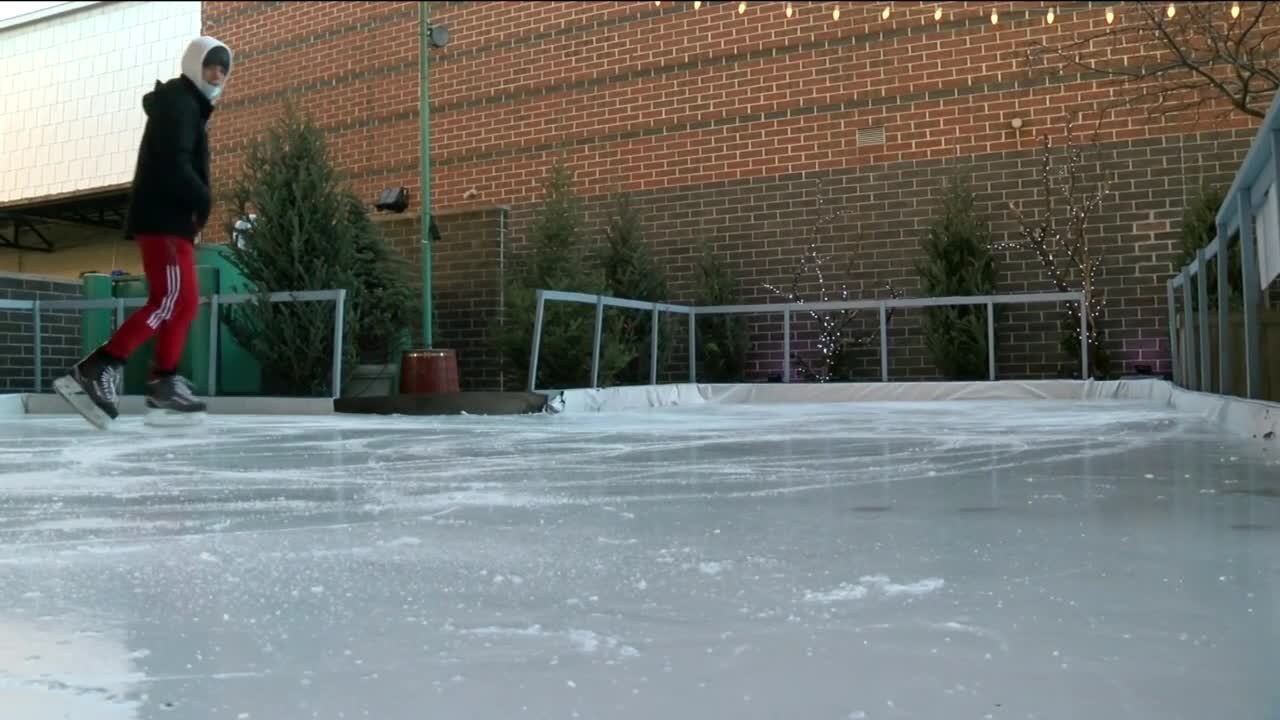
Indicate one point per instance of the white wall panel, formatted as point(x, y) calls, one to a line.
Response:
point(71, 91)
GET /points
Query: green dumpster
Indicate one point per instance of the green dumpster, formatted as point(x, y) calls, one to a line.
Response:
point(238, 371)
point(95, 325)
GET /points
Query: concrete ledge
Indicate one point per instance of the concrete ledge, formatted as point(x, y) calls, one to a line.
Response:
point(51, 404)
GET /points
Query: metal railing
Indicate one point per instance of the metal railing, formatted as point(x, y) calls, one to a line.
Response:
point(1258, 175)
point(215, 301)
point(787, 310)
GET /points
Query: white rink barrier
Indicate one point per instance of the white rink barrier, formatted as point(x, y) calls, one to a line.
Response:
point(1247, 418)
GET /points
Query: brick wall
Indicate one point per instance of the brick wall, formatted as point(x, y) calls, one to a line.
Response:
point(722, 123)
point(466, 282)
point(59, 332)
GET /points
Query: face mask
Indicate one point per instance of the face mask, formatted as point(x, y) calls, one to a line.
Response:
point(193, 61)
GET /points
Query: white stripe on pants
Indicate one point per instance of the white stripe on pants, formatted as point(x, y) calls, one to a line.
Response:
point(165, 311)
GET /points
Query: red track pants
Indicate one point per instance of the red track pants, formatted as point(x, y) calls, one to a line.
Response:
point(172, 301)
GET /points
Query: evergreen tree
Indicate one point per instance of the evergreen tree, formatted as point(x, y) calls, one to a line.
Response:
point(1199, 226)
point(631, 272)
point(556, 261)
point(722, 339)
point(957, 262)
point(308, 233)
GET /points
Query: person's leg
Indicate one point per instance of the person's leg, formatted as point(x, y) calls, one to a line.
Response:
point(166, 390)
point(98, 375)
point(173, 325)
point(160, 263)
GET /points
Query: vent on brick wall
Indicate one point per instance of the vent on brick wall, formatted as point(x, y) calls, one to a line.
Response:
point(871, 136)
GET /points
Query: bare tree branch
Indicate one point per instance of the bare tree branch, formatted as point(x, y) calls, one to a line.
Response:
point(1201, 52)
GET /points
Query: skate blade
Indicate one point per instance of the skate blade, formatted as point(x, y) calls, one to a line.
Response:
point(70, 391)
point(157, 417)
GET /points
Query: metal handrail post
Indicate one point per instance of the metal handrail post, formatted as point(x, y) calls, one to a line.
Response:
point(653, 345)
point(537, 340)
point(338, 312)
point(595, 346)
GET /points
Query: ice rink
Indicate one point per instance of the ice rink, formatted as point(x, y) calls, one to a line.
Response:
point(1014, 559)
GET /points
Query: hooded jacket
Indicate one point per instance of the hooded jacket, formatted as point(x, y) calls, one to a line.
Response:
point(170, 193)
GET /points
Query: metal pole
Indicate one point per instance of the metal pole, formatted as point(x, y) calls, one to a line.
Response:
point(991, 341)
point(1175, 365)
point(1224, 313)
point(537, 340)
point(424, 150)
point(595, 344)
point(786, 345)
point(37, 348)
point(884, 343)
point(693, 345)
point(1249, 268)
point(338, 311)
point(1190, 376)
point(653, 346)
point(213, 344)
point(1202, 293)
point(1084, 338)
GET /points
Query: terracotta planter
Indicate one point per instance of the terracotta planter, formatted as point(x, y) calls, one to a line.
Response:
point(428, 371)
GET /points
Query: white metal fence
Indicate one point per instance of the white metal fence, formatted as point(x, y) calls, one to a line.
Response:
point(215, 301)
point(786, 310)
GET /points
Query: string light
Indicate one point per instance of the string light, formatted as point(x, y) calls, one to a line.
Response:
point(1235, 10)
point(1111, 16)
point(790, 10)
point(742, 7)
point(1050, 16)
point(697, 4)
point(995, 16)
point(835, 14)
point(937, 13)
point(1171, 11)
point(886, 12)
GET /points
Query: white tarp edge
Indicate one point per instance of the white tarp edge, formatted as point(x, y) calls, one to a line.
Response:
point(1248, 418)
point(12, 406)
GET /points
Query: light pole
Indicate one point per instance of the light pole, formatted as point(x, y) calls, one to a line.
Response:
point(429, 36)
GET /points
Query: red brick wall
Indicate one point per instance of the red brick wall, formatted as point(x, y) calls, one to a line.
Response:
point(720, 122)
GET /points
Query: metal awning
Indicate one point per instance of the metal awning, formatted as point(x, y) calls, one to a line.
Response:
point(21, 221)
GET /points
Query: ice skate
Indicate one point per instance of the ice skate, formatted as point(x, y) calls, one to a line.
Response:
point(91, 388)
point(171, 401)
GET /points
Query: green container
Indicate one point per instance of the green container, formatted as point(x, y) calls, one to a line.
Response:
point(238, 371)
point(95, 325)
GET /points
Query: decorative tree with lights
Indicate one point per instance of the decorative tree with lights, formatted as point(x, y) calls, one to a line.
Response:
point(1178, 57)
point(835, 338)
point(1062, 243)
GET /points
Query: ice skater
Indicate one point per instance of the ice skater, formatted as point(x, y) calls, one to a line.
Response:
point(169, 205)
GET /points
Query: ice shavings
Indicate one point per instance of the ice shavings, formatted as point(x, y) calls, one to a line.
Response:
point(880, 584)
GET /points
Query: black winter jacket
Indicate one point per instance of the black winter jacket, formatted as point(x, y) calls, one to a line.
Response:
point(170, 193)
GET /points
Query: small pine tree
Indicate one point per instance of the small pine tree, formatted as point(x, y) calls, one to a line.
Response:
point(958, 262)
point(308, 233)
point(631, 272)
point(722, 339)
point(556, 261)
point(1199, 226)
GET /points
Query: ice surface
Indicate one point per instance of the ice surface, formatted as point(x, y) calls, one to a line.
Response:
point(940, 560)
